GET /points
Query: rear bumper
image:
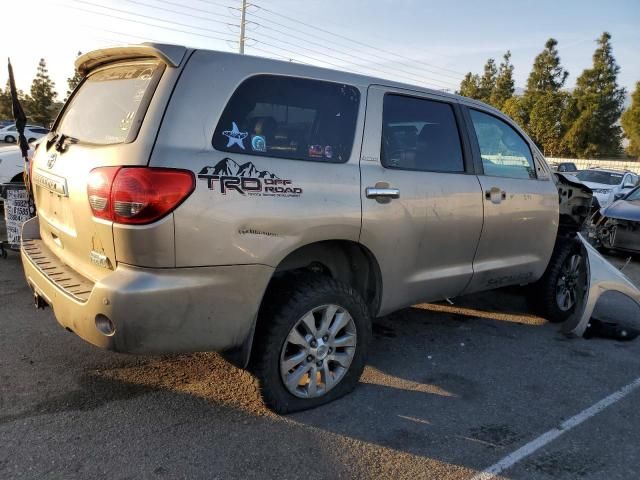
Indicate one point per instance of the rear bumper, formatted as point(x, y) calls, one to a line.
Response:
point(161, 310)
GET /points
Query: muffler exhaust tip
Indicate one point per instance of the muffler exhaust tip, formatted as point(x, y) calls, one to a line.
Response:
point(39, 302)
point(105, 325)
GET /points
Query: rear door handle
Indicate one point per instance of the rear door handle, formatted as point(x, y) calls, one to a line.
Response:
point(375, 192)
point(495, 194)
point(382, 193)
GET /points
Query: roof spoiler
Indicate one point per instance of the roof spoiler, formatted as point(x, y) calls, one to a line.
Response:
point(172, 55)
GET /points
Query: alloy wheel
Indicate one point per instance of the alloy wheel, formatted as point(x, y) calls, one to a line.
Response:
point(567, 287)
point(318, 351)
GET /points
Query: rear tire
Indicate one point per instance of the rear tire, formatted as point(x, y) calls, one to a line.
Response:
point(297, 368)
point(10, 139)
point(556, 295)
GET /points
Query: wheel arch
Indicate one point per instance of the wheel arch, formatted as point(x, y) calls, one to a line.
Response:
point(18, 178)
point(344, 260)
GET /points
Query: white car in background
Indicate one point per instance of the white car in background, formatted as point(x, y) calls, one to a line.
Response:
point(11, 164)
point(608, 185)
point(9, 134)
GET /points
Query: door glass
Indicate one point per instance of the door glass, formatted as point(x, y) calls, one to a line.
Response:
point(419, 134)
point(504, 152)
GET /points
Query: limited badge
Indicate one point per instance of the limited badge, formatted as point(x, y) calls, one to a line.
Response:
point(235, 136)
point(258, 143)
point(328, 151)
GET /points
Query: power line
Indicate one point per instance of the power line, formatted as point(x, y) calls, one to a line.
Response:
point(377, 68)
point(412, 77)
point(326, 40)
point(341, 67)
point(127, 12)
point(146, 23)
point(289, 59)
point(209, 2)
point(195, 9)
point(199, 17)
point(395, 54)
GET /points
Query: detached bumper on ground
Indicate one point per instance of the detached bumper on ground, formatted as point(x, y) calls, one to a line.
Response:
point(151, 310)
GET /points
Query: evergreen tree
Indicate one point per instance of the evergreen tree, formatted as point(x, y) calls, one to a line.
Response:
point(542, 104)
point(43, 96)
point(470, 86)
point(74, 81)
point(504, 84)
point(6, 111)
point(6, 105)
point(631, 123)
point(514, 108)
point(488, 80)
point(546, 123)
point(599, 103)
point(547, 73)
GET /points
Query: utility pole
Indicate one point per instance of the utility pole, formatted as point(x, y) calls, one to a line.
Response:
point(242, 25)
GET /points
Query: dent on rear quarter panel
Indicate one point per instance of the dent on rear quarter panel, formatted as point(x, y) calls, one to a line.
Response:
point(146, 245)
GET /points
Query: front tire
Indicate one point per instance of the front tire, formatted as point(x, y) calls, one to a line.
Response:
point(558, 292)
point(10, 139)
point(311, 342)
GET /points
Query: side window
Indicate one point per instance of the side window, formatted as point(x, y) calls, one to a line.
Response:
point(419, 134)
point(291, 118)
point(504, 152)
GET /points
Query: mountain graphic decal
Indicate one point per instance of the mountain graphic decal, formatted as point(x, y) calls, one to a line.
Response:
point(231, 168)
point(229, 176)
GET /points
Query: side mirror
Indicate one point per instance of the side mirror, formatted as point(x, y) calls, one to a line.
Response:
point(618, 196)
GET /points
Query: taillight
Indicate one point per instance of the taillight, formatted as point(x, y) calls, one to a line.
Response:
point(137, 195)
point(99, 191)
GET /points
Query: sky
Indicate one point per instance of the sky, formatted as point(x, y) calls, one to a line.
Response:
point(423, 42)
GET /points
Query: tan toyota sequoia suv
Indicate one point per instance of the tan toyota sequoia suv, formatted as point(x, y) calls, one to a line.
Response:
point(193, 200)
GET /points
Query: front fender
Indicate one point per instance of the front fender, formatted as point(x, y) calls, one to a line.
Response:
point(601, 277)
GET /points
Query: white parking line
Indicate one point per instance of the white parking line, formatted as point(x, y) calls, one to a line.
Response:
point(526, 450)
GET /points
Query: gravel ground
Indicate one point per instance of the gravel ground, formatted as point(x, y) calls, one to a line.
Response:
point(447, 392)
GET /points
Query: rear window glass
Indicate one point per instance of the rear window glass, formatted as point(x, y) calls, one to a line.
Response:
point(110, 104)
point(290, 118)
point(598, 176)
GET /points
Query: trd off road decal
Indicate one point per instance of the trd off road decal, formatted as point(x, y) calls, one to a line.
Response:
point(228, 175)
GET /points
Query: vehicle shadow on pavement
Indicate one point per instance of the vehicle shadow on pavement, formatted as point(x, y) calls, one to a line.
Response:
point(447, 390)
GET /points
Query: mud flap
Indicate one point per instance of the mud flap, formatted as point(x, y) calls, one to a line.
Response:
point(600, 277)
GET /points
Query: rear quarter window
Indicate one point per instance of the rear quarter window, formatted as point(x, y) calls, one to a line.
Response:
point(289, 117)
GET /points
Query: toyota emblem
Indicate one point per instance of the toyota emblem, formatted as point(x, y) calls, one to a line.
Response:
point(51, 160)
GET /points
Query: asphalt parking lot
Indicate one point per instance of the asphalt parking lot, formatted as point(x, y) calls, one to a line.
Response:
point(448, 392)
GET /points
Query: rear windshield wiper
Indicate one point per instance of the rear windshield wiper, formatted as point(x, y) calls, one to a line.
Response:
point(61, 142)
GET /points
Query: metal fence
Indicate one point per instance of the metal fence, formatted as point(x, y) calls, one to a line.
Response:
point(583, 164)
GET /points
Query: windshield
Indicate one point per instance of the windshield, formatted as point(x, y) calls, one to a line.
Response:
point(598, 176)
point(106, 108)
point(634, 195)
